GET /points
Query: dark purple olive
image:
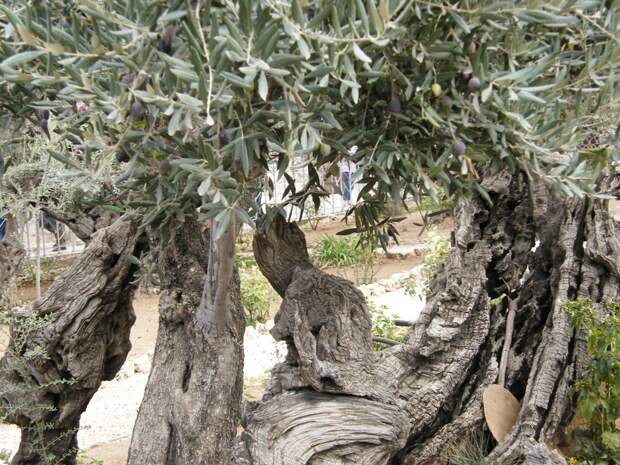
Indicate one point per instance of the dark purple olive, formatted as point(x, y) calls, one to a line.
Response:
point(165, 42)
point(128, 79)
point(459, 148)
point(473, 85)
point(446, 102)
point(165, 167)
point(137, 111)
point(122, 156)
point(225, 137)
point(395, 106)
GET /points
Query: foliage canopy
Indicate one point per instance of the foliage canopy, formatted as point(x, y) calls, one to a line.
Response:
point(194, 97)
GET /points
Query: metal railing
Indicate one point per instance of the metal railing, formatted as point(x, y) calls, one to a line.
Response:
point(49, 244)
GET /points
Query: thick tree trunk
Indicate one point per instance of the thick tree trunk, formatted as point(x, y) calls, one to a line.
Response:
point(405, 404)
point(11, 255)
point(70, 341)
point(191, 405)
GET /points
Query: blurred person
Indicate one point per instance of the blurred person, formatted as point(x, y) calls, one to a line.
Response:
point(54, 227)
point(347, 168)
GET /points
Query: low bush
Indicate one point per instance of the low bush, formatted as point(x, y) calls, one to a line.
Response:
point(383, 325)
point(257, 295)
point(23, 326)
point(597, 392)
point(348, 252)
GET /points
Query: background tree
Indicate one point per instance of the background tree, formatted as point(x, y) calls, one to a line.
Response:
point(484, 101)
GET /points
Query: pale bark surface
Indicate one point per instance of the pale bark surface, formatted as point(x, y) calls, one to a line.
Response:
point(425, 394)
point(191, 406)
point(87, 316)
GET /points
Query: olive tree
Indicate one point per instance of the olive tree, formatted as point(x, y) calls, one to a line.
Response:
point(488, 102)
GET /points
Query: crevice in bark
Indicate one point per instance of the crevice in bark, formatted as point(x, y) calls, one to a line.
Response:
point(88, 315)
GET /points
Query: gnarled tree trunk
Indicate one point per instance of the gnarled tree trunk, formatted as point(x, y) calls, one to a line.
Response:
point(70, 341)
point(191, 405)
point(405, 404)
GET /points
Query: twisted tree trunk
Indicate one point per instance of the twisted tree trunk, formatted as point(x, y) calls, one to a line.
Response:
point(70, 341)
point(405, 404)
point(191, 405)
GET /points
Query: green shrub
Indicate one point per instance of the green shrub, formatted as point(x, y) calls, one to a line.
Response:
point(598, 390)
point(348, 252)
point(257, 295)
point(383, 325)
point(442, 203)
point(339, 251)
point(24, 326)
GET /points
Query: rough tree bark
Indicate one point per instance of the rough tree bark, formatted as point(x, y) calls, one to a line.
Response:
point(11, 255)
point(84, 323)
point(404, 405)
point(192, 401)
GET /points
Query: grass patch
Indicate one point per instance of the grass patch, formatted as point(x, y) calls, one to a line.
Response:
point(257, 295)
point(598, 390)
point(347, 252)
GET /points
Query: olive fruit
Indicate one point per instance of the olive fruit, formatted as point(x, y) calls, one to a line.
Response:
point(165, 167)
point(165, 42)
point(436, 90)
point(473, 85)
point(225, 137)
point(137, 111)
point(458, 148)
point(395, 106)
point(122, 156)
point(446, 102)
point(128, 79)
